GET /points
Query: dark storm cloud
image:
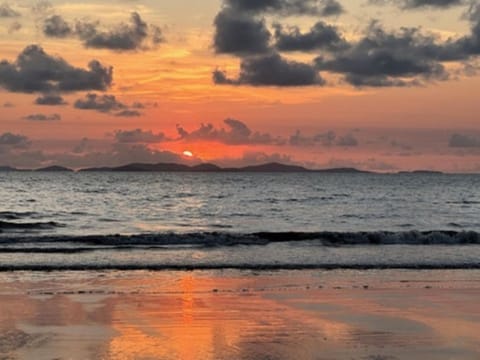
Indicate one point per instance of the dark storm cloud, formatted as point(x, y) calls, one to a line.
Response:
point(236, 133)
point(321, 36)
point(102, 103)
point(271, 70)
point(6, 11)
point(328, 138)
point(43, 117)
point(56, 26)
point(14, 140)
point(50, 100)
point(36, 71)
point(237, 33)
point(464, 141)
point(287, 7)
point(138, 136)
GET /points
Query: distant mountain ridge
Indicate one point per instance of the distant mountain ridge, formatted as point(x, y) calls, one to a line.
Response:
point(207, 167)
point(54, 169)
point(272, 167)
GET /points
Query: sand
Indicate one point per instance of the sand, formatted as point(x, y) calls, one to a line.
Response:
point(388, 314)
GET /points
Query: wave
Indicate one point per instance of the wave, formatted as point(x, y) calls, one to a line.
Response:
point(9, 225)
point(16, 215)
point(224, 239)
point(228, 266)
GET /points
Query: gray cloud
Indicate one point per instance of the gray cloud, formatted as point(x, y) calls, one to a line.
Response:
point(287, 7)
point(325, 139)
point(464, 141)
point(236, 133)
point(380, 58)
point(42, 7)
point(347, 140)
point(108, 104)
point(237, 33)
point(271, 70)
point(473, 12)
point(138, 136)
point(328, 138)
point(412, 4)
point(399, 145)
point(56, 26)
point(82, 146)
point(331, 8)
point(6, 11)
point(43, 117)
point(121, 154)
point(417, 4)
point(102, 103)
point(14, 27)
point(128, 113)
point(14, 141)
point(131, 36)
point(240, 31)
point(116, 154)
point(400, 58)
point(36, 71)
point(50, 100)
point(321, 36)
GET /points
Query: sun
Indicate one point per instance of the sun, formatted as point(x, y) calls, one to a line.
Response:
point(188, 153)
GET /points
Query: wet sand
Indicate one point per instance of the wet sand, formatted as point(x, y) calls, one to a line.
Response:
point(387, 314)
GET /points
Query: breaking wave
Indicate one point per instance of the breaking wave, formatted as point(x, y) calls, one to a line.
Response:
point(223, 239)
point(13, 226)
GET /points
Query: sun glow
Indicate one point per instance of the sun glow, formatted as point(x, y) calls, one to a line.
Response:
point(188, 153)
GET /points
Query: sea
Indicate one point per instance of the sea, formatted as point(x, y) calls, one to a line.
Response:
point(253, 221)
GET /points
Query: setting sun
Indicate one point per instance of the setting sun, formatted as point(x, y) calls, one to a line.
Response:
point(187, 153)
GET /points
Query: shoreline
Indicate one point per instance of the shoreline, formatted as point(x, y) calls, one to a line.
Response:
point(302, 314)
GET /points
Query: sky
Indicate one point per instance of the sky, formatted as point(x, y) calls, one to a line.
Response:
point(381, 85)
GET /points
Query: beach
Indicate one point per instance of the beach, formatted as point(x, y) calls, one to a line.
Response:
point(231, 314)
point(121, 266)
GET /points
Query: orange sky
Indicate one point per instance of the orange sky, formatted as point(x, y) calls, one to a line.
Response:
point(393, 127)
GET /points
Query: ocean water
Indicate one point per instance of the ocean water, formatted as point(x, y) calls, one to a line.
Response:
point(238, 220)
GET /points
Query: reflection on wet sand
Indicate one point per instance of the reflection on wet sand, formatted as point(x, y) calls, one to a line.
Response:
point(198, 315)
